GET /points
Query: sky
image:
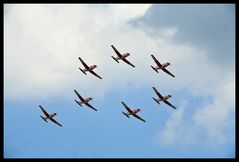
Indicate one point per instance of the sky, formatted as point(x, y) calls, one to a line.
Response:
point(42, 43)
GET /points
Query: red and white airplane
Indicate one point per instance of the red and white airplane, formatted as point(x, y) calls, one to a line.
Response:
point(161, 66)
point(84, 101)
point(88, 68)
point(132, 112)
point(49, 116)
point(162, 98)
point(121, 56)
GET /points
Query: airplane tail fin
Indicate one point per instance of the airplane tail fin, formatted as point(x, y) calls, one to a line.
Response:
point(156, 100)
point(125, 114)
point(43, 118)
point(154, 69)
point(115, 59)
point(82, 71)
point(78, 103)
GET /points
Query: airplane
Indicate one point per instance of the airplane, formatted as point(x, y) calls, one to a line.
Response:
point(121, 56)
point(49, 116)
point(161, 66)
point(132, 112)
point(88, 68)
point(84, 101)
point(162, 98)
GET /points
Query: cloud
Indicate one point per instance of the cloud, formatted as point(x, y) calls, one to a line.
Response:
point(215, 117)
point(193, 54)
point(204, 127)
point(42, 44)
point(48, 39)
point(210, 26)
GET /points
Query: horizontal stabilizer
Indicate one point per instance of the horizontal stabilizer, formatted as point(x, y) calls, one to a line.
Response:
point(125, 114)
point(156, 100)
point(82, 71)
point(154, 69)
point(43, 118)
point(115, 59)
point(78, 103)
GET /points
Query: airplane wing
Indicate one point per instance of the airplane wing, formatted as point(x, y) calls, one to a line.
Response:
point(86, 66)
point(89, 105)
point(168, 103)
point(127, 108)
point(156, 61)
point(116, 51)
point(44, 111)
point(126, 61)
point(166, 71)
point(81, 98)
point(92, 72)
point(139, 117)
point(53, 120)
point(157, 92)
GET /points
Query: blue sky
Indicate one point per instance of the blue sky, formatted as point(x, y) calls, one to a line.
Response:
point(41, 47)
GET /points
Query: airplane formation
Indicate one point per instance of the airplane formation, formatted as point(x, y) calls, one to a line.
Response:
point(130, 112)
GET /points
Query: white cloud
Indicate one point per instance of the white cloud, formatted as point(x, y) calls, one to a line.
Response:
point(42, 44)
point(48, 39)
point(168, 137)
point(210, 120)
point(215, 117)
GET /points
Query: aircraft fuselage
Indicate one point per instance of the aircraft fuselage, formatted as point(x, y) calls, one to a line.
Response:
point(163, 66)
point(51, 116)
point(164, 98)
point(123, 56)
point(86, 100)
point(90, 68)
point(134, 111)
